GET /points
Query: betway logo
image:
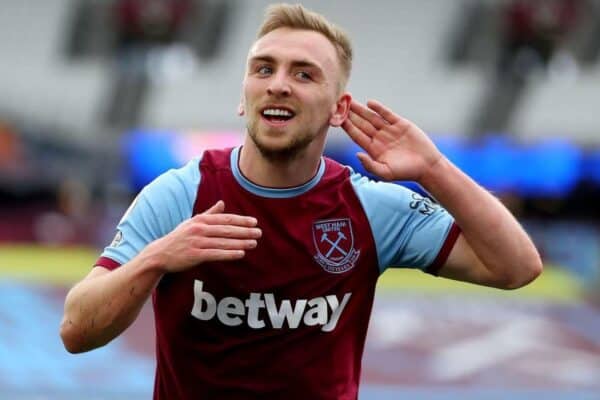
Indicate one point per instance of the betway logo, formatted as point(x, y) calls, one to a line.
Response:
point(231, 311)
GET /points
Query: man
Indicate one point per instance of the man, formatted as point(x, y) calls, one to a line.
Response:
point(266, 291)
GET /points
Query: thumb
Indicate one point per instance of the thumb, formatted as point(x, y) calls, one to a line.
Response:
point(372, 166)
point(216, 208)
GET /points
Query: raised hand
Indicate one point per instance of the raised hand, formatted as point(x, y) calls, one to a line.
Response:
point(210, 236)
point(396, 149)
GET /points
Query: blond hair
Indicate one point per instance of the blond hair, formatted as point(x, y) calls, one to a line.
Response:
point(298, 17)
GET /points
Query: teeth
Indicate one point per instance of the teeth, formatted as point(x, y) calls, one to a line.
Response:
point(277, 112)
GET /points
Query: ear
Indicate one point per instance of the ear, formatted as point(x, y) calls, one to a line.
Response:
point(241, 110)
point(340, 112)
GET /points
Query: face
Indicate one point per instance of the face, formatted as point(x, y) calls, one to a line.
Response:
point(291, 94)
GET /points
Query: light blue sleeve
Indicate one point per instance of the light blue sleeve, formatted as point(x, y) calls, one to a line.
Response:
point(409, 229)
point(158, 209)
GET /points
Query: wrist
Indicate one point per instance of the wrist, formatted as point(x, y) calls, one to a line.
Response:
point(152, 259)
point(436, 174)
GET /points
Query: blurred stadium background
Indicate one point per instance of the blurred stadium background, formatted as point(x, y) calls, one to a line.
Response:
point(100, 96)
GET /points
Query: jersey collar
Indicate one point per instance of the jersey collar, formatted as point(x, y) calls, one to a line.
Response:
point(264, 191)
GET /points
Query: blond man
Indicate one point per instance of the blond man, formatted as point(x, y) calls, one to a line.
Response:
point(262, 259)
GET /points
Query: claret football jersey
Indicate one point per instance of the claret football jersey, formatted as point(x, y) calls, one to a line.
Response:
point(289, 320)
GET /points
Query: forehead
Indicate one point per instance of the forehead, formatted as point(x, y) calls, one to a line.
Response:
point(285, 44)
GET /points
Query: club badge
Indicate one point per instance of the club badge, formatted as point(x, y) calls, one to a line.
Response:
point(334, 242)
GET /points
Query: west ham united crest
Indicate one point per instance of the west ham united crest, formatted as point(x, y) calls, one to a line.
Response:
point(334, 241)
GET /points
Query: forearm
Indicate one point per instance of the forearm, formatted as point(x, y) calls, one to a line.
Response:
point(104, 304)
point(492, 232)
point(493, 250)
point(99, 309)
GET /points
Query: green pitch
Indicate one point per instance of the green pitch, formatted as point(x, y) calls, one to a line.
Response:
point(53, 265)
point(554, 284)
point(67, 265)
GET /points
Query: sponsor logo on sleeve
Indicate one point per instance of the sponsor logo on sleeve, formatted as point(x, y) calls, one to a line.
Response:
point(334, 243)
point(423, 204)
point(118, 239)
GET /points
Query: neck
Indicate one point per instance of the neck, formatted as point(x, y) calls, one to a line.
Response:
point(279, 173)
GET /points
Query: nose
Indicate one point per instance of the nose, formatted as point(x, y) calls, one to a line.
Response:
point(279, 86)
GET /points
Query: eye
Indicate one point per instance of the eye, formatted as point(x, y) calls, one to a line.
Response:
point(303, 75)
point(264, 70)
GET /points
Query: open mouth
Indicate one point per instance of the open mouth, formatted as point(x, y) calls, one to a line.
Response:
point(277, 115)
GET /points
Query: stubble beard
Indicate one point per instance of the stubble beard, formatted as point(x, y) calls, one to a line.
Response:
point(289, 152)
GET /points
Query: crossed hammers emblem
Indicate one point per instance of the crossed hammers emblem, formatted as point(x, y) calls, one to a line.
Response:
point(334, 244)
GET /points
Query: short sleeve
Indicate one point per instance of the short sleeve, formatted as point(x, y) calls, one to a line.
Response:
point(158, 209)
point(410, 230)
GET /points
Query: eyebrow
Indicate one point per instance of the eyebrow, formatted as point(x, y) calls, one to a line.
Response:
point(296, 63)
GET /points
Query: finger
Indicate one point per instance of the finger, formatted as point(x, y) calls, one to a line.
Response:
point(216, 208)
point(373, 166)
point(385, 112)
point(226, 244)
point(375, 119)
point(365, 126)
point(356, 134)
point(227, 219)
point(362, 124)
point(231, 231)
point(220, 255)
